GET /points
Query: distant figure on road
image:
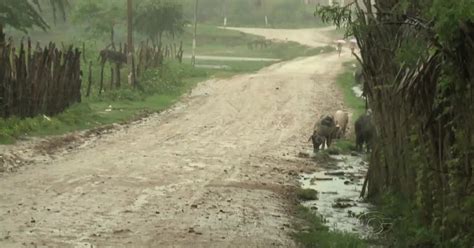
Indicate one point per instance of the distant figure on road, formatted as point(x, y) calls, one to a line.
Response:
point(340, 43)
point(339, 48)
point(353, 45)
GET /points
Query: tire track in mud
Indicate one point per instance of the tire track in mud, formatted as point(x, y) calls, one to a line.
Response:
point(212, 172)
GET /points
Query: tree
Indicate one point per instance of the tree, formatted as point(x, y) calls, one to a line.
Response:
point(156, 18)
point(56, 5)
point(417, 59)
point(24, 15)
point(99, 17)
point(21, 15)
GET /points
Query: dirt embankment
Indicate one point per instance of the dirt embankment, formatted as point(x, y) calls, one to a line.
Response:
point(210, 172)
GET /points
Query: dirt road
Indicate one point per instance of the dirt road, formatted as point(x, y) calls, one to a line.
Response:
point(315, 37)
point(233, 58)
point(211, 172)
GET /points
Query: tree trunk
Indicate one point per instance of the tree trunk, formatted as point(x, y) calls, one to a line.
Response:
point(111, 77)
point(2, 35)
point(130, 49)
point(112, 43)
point(84, 52)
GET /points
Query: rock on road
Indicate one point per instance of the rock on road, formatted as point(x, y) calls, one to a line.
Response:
point(210, 172)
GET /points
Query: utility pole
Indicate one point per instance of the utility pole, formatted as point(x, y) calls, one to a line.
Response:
point(193, 59)
point(225, 13)
point(2, 35)
point(264, 6)
point(130, 62)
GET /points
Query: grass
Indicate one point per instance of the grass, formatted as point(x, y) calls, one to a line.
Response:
point(281, 13)
point(234, 67)
point(311, 232)
point(307, 194)
point(346, 81)
point(344, 146)
point(214, 41)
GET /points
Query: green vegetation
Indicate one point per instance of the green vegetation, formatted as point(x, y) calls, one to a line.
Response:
point(280, 13)
point(346, 82)
point(23, 14)
point(418, 59)
point(216, 41)
point(311, 232)
point(344, 146)
point(156, 18)
point(307, 194)
point(406, 229)
point(98, 18)
point(233, 67)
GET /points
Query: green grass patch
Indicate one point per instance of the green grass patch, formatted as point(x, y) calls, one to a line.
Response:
point(234, 67)
point(408, 230)
point(280, 13)
point(344, 146)
point(307, 194)
point(346, 82)
point(214, 41)
point(311, 232)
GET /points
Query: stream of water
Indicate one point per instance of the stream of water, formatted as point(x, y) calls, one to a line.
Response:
point(338, 190)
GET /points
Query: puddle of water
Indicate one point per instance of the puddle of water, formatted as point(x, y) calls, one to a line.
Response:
point(357, 90)
point(213, 66)
point(338, 195)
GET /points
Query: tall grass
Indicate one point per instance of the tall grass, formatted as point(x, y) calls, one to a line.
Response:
point(311, 232)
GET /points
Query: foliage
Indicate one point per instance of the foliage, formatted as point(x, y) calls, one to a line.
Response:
point(341, 16)
point(155, 18)
point(346, 82)
point(311, 232)
point(56, 5)
point(98, 17)
point(21, 15)
point(25, 14)
point(417, 59)
point(307, 194)
point(280, 13)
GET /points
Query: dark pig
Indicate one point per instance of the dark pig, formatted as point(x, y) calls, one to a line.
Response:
point(324, 131)
point(365, 132)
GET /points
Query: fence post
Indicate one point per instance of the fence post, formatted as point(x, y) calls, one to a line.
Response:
point(101, 78)
point(111, 77)
point(117, 78)
point(84, 51)
point(90, 80)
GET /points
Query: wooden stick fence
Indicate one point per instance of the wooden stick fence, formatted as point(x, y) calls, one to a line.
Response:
point(38, 81)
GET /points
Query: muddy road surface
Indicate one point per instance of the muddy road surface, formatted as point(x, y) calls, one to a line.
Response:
point(213, 171)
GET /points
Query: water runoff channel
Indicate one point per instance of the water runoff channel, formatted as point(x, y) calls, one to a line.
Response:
point(338, 186)
point(338, 189)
